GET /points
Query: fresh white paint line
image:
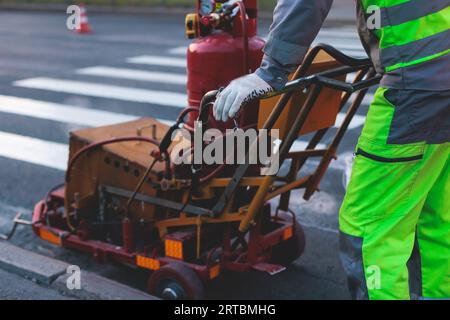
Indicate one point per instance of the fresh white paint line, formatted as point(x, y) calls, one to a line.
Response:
point(351, 77)
point(60, 112)
point(159, 61)
point(55, 155)
point(368, 98)
point(122, 73)
point(346, 46)
point(356, 122)
point(41, 152)
point(164, 98)
point(300, 145)
point(337, 33)
point(178, 50)
point(64, 113)
point(338, 41)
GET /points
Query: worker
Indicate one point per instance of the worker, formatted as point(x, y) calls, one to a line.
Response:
point(398, 196)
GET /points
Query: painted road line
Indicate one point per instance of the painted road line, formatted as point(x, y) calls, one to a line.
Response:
point(164, 98)
point(349, 47)
point(182, 50)
point(60, 112)
point(123, 73)
point(356, 122)
point(339, 33)
point(41, 152)
point(64, 113)
point(368, 98)
point(55, 155)
point(159, 61)
point(300, 145)
point(91, 117)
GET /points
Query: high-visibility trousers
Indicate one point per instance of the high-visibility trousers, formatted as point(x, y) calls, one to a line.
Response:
point(398, 199)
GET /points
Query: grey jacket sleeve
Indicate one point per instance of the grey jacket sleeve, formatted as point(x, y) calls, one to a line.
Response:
point(295, 25)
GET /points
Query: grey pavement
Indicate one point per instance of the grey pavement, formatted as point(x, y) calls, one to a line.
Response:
point(15, 287)
point(56, 279)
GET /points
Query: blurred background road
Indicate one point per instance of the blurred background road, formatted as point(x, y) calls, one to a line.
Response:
point(53, 81)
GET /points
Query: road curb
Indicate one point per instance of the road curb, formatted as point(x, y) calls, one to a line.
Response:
point(30, 265)
point(53, 274)
point(95, 287)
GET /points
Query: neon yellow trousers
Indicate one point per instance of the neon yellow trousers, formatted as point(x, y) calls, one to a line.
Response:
point(398, 197)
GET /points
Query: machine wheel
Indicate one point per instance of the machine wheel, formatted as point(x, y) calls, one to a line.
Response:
point(289, 250)
point(175, 281)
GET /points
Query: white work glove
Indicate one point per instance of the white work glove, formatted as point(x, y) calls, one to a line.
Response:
point(237, 94)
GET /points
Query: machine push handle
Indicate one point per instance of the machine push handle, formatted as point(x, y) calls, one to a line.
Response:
point(301, 81)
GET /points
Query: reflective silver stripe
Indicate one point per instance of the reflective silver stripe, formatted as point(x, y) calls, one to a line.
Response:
point(412, 10)
point(416, 50)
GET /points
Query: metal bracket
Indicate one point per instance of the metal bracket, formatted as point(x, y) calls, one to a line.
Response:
point(17, 220)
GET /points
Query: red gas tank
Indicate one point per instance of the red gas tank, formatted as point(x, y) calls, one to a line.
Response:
point(213, 61)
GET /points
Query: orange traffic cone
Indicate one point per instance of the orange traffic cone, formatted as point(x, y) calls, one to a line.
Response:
point(84, 23)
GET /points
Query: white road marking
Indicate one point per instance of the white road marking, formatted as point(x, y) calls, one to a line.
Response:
point(55, 155)
point(300, 145)
point(159, 61)
point(348, 46)
point(178, 50)
point(339, 33)
point(164, 98)
point(123, 73)
point(64, 113)
point(356, 122)
point(368, 98)
point(41, 152)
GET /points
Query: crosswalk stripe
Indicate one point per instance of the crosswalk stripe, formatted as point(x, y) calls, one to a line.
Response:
point(356, 122)
point(164, 98)
point(300, 145)
point(339, 41)
point(65, 113)
point(41, 152)
point(159, 61)
point(93, 117)
point(368, 98)
point(55, 155)
point(60, 112)
point(178, 50)
point(123, 73)
point(346, 46)
point(338, 33)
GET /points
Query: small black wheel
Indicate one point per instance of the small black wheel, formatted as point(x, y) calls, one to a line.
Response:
point(288, 251)
point(175, 281)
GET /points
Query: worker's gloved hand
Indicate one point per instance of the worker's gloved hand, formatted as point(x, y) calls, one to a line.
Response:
point(237, 93)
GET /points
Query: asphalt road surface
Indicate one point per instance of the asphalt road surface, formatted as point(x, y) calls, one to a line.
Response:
point(53, 81)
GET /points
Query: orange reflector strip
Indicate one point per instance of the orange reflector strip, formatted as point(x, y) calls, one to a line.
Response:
point(147, 263)
point(50, 237)
point(214, 271)
point(174, 249)
point(287, 233)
